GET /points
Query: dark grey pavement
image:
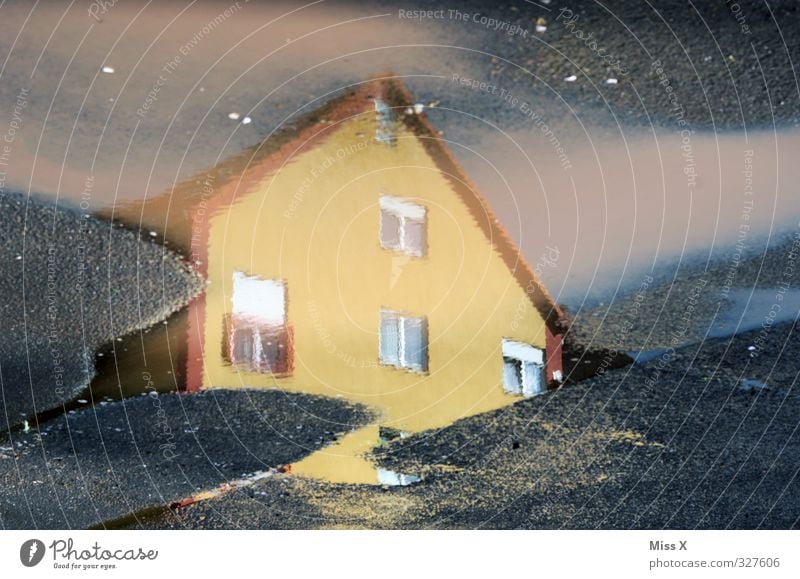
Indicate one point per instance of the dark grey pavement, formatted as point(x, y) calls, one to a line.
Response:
point(70, 284)
point(706, 438)
point(118, 458)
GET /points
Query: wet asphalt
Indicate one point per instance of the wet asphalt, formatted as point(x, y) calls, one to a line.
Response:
point(706, 438)
point(723, 76)
point(726, 69)
point(685, 303)
point(685, 445)
point(100, 464)
point(71, 284)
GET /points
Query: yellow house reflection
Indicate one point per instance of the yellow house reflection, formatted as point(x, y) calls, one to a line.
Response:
point(357, 260)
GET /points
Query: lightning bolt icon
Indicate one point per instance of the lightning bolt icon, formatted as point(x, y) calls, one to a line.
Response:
point(34, 549)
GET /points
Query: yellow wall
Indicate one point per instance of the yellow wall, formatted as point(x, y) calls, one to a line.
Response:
point(315, 224)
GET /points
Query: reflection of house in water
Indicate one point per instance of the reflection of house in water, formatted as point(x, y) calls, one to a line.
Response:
point(357, 260)
point(257, 337)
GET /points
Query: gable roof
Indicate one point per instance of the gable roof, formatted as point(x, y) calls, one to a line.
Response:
point(237, 175)
point(397, 96)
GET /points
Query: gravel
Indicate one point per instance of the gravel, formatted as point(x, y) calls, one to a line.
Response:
point(720, 76)
point(691, 441)
point(680, 304)
point(117, 459)
point(71, 283)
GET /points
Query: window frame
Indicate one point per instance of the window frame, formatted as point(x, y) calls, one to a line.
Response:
point(263, 328)
point(404, 211)
point(524, 357)
point(281, 367)
point(401, 319)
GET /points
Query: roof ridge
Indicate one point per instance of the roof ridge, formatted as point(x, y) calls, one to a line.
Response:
point(273, 152)
point(468, 191)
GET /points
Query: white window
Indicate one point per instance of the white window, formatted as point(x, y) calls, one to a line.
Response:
point(257, 336)
point(402, 226)
point(263, 300)
point(404, 341)
point(523, 369)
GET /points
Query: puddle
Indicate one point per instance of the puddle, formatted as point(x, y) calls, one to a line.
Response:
point(384, 284)
point(179, 71)
point(138, 364)
point(623, 204)
point(628, 204)
point(342, 262)
point(749, 384)
point(743, 310)
point(396, 479)
point(341, 259)
point(346, 461)
point(751, 309)
point(153, 360)
point(646, 356)
point(348, 261)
